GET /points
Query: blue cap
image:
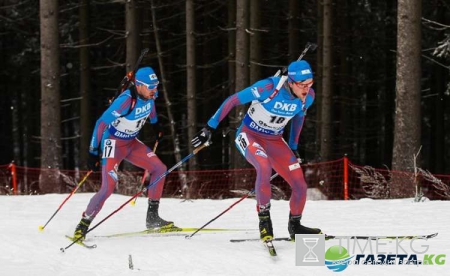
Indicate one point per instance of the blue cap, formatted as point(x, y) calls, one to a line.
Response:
point(147, 75)
point(299, 71)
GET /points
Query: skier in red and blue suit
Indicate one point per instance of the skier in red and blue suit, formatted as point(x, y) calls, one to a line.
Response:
point(115, 138)
point(274, 102)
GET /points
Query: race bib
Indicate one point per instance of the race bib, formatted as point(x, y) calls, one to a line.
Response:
point(109, 147)
point(242, 142)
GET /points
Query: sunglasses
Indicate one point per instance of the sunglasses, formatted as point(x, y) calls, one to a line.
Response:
point(149, 86)
point(302, 85)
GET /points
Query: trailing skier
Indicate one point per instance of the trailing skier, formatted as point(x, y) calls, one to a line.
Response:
point(115, 139)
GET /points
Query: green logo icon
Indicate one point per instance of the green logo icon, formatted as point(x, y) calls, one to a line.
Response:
point(337, 258)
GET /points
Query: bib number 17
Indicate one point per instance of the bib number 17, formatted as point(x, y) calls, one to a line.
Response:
point(109, 147)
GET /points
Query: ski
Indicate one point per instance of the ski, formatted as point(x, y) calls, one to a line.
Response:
point(269, 245)
point(333, 237)
point(411, 237)
point(257, 239)
point(174, 231)
point(79, 242)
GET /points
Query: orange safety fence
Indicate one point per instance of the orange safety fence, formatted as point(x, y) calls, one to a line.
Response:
point(333, 180)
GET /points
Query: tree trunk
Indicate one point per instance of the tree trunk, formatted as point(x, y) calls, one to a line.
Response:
point(255, 41)
point(191, 78)
point(228, 136)
point(50, 99)
point(407, 111)
point(85, 87)
point(318, 77)
point(293, 29)
point(176, 142)
point(327, 90)
point(132, 41)
point(242, 81)
point(344, 89)
point(131, 33)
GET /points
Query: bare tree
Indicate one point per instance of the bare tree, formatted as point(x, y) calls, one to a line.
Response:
point(132, 42)
point(231, 46)
point(407, 111)
point(242, 72)
point(293, 29)
point(85, 124)
point(255, 40)
point(50, 98)
point(191, 78)
point(227, 147)
point(318, 73)
point(131, 33)
point(327, 73)
point(176, 141)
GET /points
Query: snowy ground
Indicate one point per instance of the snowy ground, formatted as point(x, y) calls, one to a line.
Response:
point(27, 251)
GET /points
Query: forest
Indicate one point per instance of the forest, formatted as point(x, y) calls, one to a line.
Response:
point(381, 75)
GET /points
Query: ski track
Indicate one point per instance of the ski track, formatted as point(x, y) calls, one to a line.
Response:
point(28, 251)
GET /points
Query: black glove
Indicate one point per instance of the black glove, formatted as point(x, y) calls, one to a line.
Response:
point(202, 137)
point(93, 162)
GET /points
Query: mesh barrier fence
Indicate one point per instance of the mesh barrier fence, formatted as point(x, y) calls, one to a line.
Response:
point(332, 180)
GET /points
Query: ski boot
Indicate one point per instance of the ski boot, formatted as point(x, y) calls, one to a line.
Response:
point(295, 227)
point(154, 222)
point(82, 228)
point(265, 223)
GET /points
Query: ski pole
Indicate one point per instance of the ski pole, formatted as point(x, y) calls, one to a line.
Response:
point(146, 172)
point(41, 228)
point(142, 186)
point(140, 192)
point(226, 210)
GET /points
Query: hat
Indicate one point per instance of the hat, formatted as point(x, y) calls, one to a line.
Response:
point(299, 71)
point(146, 75)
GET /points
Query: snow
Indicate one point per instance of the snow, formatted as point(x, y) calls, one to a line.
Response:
point(28, 251)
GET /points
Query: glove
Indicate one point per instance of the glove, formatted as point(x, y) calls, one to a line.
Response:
point(202, 137)
point(93, 162)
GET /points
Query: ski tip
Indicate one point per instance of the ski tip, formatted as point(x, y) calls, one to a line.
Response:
point(70, 238)
point(81, 243)
point(410, 237)
point(270, 247)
